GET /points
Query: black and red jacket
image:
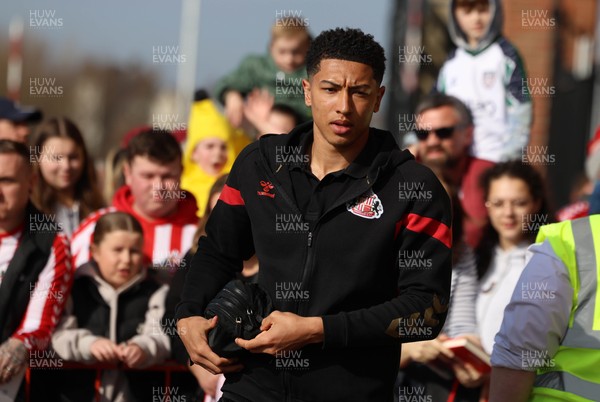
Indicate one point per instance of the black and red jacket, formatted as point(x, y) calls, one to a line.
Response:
point(377, 261)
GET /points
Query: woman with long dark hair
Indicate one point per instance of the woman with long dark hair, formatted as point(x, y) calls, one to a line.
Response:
point(517, 207)
point(66, 186)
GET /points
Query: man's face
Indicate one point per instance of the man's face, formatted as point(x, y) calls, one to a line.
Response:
point(15, 186)
point(153, 185)
point(289, 52)
point(13, 131)
point(343, 95)
point(446, 152)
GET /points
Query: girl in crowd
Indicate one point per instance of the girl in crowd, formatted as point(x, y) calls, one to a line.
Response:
point(113, 317)
point(66, 187)
point(517, 206)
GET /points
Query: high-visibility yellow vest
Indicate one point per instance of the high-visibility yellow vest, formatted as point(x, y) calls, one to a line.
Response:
point(575, 375)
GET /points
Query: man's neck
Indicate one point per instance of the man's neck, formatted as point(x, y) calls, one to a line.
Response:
point(455, 173)
point(143, 215)
point(9, 225)
point(326, 158)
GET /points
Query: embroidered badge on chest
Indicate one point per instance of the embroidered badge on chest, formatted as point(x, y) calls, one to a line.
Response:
point(489, 79)
point(267, 188)
point(366, 206)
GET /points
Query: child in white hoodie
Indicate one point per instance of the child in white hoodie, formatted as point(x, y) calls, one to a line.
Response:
point(486, 72)
point(113, 317)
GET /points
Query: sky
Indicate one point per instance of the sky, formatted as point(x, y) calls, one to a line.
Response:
point(129, 31)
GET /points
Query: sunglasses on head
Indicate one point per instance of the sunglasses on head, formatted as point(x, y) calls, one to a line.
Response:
point(441, 133)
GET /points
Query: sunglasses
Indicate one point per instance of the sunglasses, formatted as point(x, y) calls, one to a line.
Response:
point(441, 133)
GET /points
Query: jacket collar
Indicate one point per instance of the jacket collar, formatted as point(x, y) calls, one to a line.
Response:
point(381, 152)
point(107, 291)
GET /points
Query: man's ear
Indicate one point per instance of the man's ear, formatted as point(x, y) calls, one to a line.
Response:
point(306, 87)
point(469, 130)
point(127, 172)
point(380, 93)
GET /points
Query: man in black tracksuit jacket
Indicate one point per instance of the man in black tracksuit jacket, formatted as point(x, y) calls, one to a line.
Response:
point(354, 251)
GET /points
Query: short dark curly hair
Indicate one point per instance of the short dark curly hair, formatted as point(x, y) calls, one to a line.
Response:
point(346, 44)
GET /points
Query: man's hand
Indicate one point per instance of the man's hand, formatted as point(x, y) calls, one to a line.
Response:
point(132, 355)
point(284, 331)
point(193, 332)
point(208, 381)
point(13, 359)
point(105, 351)
point(234, 108)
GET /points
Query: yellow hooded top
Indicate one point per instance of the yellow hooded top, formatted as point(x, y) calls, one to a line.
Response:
point(207, 122)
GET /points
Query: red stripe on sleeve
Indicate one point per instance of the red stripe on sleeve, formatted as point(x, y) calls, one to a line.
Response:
point(231, 196)
point(429, 226)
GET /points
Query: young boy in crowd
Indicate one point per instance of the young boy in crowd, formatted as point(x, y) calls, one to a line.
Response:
point(280, 71)
point(486, 72)
point(113, 317)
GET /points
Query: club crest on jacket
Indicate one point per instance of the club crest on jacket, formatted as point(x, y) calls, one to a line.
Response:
point(367, 206)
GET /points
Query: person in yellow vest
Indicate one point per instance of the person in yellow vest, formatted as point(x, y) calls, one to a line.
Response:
point(548, 348)
point(212, 145)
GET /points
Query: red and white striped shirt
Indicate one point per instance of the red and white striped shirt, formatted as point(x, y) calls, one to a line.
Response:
point(165, 239)
point(8, 245)
point(48, 296)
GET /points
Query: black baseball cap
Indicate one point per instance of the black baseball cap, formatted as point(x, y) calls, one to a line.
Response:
point(18, 114)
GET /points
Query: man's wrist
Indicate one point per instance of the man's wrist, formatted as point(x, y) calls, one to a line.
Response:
point(315, 330)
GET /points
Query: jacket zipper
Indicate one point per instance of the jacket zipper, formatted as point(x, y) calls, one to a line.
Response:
point(301, 308)
point(307, 269)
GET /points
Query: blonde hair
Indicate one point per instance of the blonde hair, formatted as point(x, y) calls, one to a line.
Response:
point(113, 172)
point(289, 27)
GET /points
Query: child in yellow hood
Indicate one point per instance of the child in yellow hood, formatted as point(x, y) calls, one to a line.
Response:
point(211, 147)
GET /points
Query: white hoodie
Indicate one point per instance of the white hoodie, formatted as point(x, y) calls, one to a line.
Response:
point(490, 79)
point(73, 343)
